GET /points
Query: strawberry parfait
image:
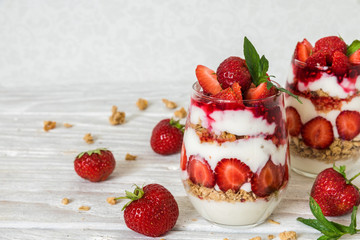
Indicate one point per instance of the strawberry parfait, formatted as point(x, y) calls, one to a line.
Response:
point(325, 128)
point(234, 158)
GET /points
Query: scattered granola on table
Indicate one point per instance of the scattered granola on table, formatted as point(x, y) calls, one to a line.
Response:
point(273, 221)
point(181, 113)
point(256, 238)
point(116, 117)
point(88, 138)
point(288, 235)
point(84, 208)
point(169, 104)
point(68, 125)
point(130, 157)
point(111, 200)
point(48, 125)
point(142, 104)
point(270, 237)
point(65, 201)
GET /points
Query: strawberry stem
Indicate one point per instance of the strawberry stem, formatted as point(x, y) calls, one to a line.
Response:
point(177, 124)
point(90, 152)
point(133, 196)
point(351, 179)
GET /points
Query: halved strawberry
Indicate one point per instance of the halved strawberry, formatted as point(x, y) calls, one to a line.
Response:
point(268, 180)
point(318, 59)
point(231, 173)
point(317, 133)
point(303, 50)
point(200, 171)
point(183, 157)
point(260, 91)
point(355, 57)
point(207, 80)
point(340, 64)
point(293, 121)
point(348, 124)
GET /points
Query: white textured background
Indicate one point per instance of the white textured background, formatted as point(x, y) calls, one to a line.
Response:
point(63, 42)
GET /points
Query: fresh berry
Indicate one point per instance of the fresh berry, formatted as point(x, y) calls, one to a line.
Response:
point(340, 63)
point(260, 91)
point(317, 133)
point(167, 137)
point(293, 121)
point(318, 59)
point(330, 45)
point(268, 180)
point(355, 57)
point(334, 193)
point(303, 50)
point(200, 172)
point(231, 173)
point(95, 165)
point(152, 211)
point(348, 124)
point(207, 80)
point(231, 70)
point(232, 93)
point(183, 157)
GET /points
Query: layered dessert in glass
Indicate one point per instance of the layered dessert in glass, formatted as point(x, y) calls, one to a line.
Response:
point(234, 159)
point(324, 129)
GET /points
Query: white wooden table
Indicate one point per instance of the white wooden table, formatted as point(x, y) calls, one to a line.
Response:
point(36, 167)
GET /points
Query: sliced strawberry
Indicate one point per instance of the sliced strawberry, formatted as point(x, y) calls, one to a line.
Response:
point(330, 44)
point(318, 133)
point(200, 172)
point(340, 64)
point(355, 57)
point(268, 180)
point(293, 121)
point(260, 91)
point(348, 124)
point(237, 90)
point(302, 50)
point(226, 94)
point(318, 59)
point(231, 173)
point(207, 79)
point(183, 157)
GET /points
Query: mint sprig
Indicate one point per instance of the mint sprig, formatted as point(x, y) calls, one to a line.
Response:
point(354, 46)
point(330, 230)
point(258, 68)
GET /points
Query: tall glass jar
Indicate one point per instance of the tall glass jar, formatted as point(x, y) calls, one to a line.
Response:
point(234, 159)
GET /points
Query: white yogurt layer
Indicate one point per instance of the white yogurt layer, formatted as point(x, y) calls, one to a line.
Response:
point(254, 152)
point(307, 110)
point(237, 213)
point(329, 84)
point(238, 122)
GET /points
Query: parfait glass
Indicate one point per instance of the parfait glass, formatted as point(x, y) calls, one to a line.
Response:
point(234, 158)
point(324, 129)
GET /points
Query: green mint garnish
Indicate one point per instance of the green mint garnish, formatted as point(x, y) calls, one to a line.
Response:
point(258, 68)
point(330, 230)
point(354, 46)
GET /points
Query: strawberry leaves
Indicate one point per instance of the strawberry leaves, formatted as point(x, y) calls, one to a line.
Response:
point(330, 230)
point(258, 68)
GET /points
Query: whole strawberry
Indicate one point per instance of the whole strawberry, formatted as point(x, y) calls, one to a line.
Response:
point(152, 210)
point(334, 193)
point(167, 137)
point(95, 165)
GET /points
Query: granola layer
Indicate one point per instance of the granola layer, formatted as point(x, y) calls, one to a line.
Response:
point(338, 150)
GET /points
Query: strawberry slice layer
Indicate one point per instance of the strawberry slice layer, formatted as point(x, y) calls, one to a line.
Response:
point(200, 172)
point(303, 50)
point(318, 133)
point(260, 91)
point(348, 124)
point(293, 121)
point(183, 157)
point(268, 180)
point(231, 173)
point(355, 57)
point(207, 80)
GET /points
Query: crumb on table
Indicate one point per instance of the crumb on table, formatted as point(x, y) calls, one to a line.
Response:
point(88, 138)
point(181, 113)
point(116, 117)
point(256, 238)
point(142, 104)
point(65, 201)
point(273, 221)
point(270, 236)
point(68, 125)
point(130, 157)
point(84, 208)
point(48, 125)
point(111, 200)
point(169, 104)
point(288, 235)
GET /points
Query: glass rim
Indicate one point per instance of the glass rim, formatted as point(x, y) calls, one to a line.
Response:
point(196, 89)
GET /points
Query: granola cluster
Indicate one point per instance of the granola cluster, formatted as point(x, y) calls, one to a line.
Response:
point(338, 150)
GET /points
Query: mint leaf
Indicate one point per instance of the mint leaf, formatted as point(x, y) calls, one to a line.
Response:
point(352, 225)
point(354, 46)
point(252, 60)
